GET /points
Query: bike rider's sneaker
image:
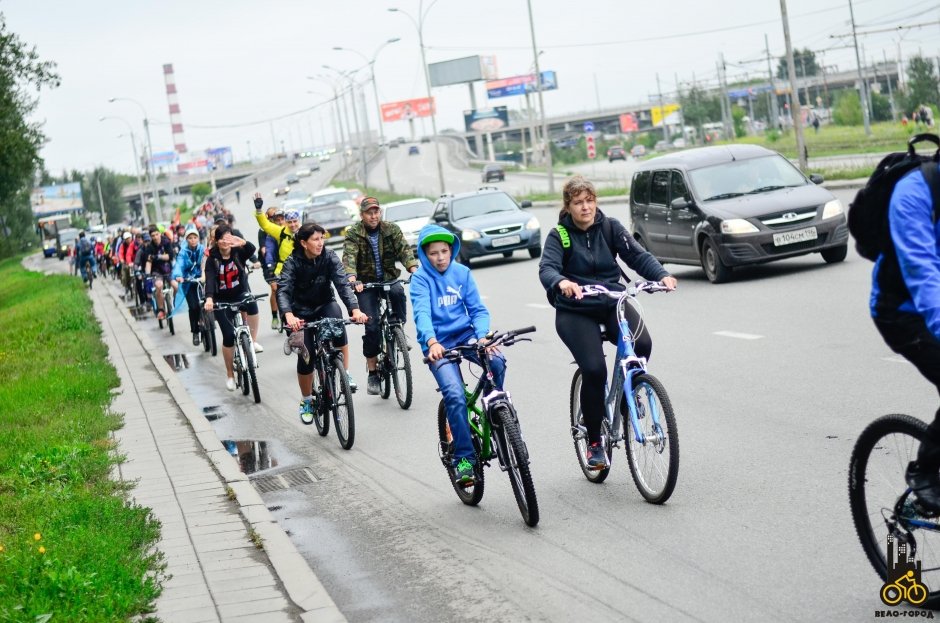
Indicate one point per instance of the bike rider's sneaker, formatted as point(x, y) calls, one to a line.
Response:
point(925, 483)
point(258, 348)
point(306, 412)
point(352, 384)
point(375, 383)
point(463, 473)
point(195, 339)
point(597, 458)
point(230, 384)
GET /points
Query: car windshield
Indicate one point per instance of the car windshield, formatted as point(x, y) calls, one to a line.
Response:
point(337, 213)
point(493, 167)
point(741, 177)
point(483, 204)
point(340, 195)
point(297, 194)
point(407, 211)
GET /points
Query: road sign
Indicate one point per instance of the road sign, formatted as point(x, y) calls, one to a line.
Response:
point(588, 126)
point(589, 140)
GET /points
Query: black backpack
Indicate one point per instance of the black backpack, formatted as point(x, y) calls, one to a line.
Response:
point(868, 213)
point(84, 246)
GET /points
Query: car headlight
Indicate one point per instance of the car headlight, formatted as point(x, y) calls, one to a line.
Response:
point(532, 224)
point(832, 209)
point(469, 234)
point(345, 229)
point(737, 226)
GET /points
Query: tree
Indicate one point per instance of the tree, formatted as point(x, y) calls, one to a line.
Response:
point(848, 108)
point(21, 72)
point(737, 116)
point(804, 62)
point(880, 107)
point(200, 191)
point(699, 107)
point(923, 86)
point(115, 206)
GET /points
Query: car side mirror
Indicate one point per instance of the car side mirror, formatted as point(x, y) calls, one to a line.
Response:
point(440, 217)
point(526, 204)
point(680, 203)
point(816, 178)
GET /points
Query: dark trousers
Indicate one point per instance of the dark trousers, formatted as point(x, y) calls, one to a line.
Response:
point(908, 336)
point(223, 318)
point(581, 333)
point(192, 300)
point(369, 305)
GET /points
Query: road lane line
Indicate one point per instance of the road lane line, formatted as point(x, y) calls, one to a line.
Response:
point(538, 305)
point(740, 336)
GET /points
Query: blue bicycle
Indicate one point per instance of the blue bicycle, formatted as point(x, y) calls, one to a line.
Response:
point(653, 445)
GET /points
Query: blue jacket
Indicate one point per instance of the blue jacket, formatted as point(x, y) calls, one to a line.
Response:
point(188, 263)
point(447, 304)
point(916, 238)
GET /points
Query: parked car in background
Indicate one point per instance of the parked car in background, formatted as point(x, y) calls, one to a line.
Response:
point(494, 173)
point(638, 151)
point(334, 218)
point(488, 222)
point(733, 205)
point(324, 158)
point(302, 172)
point(281, 190)
point(393, 145)
point(616, 152)
point(425, 139)
point(410, 215)
point(341, 196)
point(297, 199)
point(413, 150)
point(292, 179)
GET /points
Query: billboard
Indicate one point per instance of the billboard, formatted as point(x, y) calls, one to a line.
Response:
point(164, 159)
point(658, 112)
point(49, 200)
point(628, 123)
point(486, 119)
point(457, 71)
point(220, 157)
point(488, 64)
point(520, 85)
point(408, 109)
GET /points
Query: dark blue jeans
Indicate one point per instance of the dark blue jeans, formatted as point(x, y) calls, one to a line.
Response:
point(448, 377)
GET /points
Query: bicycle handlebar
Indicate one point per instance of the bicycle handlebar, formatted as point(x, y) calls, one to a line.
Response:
point(507, 338)
point(249, 298)
point(306, 326)
point(383, 284)
point(631, 290)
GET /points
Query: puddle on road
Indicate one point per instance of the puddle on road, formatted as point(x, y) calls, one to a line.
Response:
point(252, 456)
point(213, 413)
point(177, 361)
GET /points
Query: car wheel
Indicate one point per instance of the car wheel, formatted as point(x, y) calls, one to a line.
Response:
point(716, 270)
point(834, 255)
point(535, 252)
point(463, 259)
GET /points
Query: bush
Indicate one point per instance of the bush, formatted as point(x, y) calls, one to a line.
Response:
point(200, 191)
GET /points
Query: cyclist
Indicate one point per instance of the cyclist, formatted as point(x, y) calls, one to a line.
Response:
point(591, 259)
point(188, 265)
point(371, 248)
point(85, 252)
point(448, 312)
point(304, 295)
point(283, 234)
point(227, 282)
point(906, 311)
point(268, 256)
point(158, 263)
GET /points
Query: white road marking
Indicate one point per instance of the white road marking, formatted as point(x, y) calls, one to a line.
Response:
point(538, 305)
point(740, 336)
point(895, 359)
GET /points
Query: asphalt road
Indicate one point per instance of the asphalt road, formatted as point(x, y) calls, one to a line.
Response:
point(772, 377)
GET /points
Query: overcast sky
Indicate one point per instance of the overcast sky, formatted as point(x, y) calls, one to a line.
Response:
point(243, 61)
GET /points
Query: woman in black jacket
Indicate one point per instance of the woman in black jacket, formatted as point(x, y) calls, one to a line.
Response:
point(304, 294)
point(227, 282)
point(592, 261)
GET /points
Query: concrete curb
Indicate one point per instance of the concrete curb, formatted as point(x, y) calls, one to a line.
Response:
point(299, 580)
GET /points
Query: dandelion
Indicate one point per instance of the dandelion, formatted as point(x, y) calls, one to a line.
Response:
point(37, 537)
point(42, 550)
point(1, 548)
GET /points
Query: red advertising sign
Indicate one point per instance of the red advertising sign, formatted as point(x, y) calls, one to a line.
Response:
point(589, 140)
point(628, 122)
point(408, 109)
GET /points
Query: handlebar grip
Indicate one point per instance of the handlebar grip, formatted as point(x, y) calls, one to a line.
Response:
point(523, 331)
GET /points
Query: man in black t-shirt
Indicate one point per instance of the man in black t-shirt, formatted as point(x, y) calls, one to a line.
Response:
point(158, 263)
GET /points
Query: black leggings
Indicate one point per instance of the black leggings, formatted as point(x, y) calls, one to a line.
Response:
point(192, 300)
point(224, 319)
point(581, 333)
point(330, 310)
point(369, 305)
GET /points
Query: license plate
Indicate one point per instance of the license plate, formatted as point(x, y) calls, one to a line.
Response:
point(506, 241)
point(791, 237)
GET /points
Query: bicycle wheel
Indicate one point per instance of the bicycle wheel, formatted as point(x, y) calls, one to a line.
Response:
point(876, 481)
point(385, 373)
point(580, 436)
point(168, 309)
point(471, 495)
point(248, 361)
point(343, 414)
point(210, 331)
point(204, 330)
point(400, 367)
point(654, 465)
point(243, 362)
point(520, 477)
point(321, 415)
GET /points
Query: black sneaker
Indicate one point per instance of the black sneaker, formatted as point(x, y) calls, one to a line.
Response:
point(597, 458)
point(374, 387)
point(925, 483)
point(195, 339)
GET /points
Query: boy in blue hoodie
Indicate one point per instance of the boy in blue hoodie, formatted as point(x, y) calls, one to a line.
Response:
point(448, 312)
point(188, 265)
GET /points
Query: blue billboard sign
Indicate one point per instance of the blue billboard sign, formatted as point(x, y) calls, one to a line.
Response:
point(520, 85)
point(486, 120)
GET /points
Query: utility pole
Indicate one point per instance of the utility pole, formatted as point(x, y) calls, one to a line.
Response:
point(726, 121)
point(861, 79)
point(675, 77)
point(546, 139)
point(662, 110)
point(794, 97)
point(104, 218)
point(773, 111)
point(597, 93)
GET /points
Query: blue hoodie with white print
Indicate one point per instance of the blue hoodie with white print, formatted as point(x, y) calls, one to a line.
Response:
point(446, 305)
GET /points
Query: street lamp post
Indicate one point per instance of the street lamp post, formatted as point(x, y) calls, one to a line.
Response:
point(352, 96)
point(158, 203)
point(140, 183)
point(419, 26)
point(546, 139)
point(339, 108)
point(378, 109)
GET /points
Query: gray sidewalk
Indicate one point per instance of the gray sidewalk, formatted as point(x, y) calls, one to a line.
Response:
point(211, 516)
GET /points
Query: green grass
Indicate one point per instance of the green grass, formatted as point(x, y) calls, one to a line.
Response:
point(382, 195)
point(601, 192)
point(854, 173)
point(833, 140)
point(54, 463)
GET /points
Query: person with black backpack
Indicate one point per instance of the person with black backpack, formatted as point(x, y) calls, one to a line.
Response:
point(582, 250)
point(85, 252)
point(895, 223)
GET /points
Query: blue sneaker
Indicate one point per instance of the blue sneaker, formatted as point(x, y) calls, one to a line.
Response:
point(597, 457)
point(463, 473)
point(306, 412)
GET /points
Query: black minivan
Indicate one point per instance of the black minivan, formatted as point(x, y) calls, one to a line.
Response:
point(732, 205)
